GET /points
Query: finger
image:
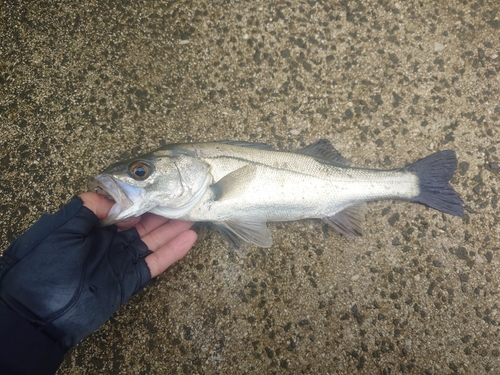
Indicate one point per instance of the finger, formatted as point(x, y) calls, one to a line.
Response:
point(167, 255)
point(128, 223)
point(165, 233)
point(97, 203)
point(150, 222)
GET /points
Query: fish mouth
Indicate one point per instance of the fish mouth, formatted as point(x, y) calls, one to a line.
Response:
point(107, 186)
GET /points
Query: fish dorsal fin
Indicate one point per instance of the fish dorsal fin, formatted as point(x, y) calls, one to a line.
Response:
point(251, 230)
point(349, 221)
point(256, 145)
point(324, 150)
point(234, 184)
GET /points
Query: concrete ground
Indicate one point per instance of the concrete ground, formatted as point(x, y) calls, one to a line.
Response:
point(387, 82)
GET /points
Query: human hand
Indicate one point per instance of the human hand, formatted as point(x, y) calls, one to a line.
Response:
point(169, 240)
point(67, 276)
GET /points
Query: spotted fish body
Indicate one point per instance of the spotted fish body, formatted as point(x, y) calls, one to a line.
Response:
point(240, 186)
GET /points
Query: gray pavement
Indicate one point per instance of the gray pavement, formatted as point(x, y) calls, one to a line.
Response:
point(387, 82)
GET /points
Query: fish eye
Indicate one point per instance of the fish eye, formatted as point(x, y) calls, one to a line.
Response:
point(139, 170)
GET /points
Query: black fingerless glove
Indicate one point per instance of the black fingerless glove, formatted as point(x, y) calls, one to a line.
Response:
point(67, 276)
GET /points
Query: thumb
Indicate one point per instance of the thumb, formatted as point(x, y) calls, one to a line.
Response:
point(97, 203)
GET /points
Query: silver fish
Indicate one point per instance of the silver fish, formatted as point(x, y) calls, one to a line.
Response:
point(239, 186)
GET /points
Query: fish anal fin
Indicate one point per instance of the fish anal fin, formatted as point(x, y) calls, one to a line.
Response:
point(324, 150)
point(349, 221)
point(238, 231)
point(234, 184)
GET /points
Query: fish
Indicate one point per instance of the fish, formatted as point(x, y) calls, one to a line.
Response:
point(240, 186)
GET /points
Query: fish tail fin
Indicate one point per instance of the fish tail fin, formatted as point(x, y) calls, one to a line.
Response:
point(434, 173)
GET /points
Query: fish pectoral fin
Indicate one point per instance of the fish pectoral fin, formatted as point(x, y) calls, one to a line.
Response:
point(349, 221)
point(254, 231)
point(324, 150)
point(235, 183)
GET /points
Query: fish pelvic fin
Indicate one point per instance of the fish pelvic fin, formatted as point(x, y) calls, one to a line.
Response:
point(434, 173)
point(349, 221)
point(238, 231)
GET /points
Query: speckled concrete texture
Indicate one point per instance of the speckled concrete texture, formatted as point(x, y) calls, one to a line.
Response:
point(387, 82)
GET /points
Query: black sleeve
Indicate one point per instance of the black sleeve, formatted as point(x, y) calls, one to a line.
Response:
point(24, 350)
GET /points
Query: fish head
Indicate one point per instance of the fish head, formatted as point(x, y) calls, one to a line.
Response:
point(163, 182)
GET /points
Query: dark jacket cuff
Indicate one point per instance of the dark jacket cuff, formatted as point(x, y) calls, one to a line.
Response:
point(24, 349)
